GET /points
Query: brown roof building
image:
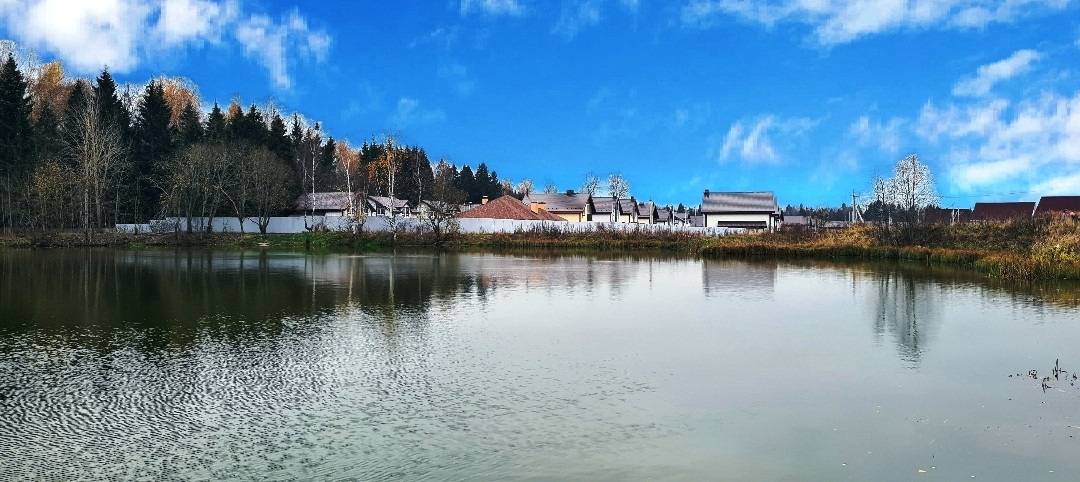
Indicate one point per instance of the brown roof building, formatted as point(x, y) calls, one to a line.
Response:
point(1002, 211)
point(509, 207)
point(1058, 204)
point(572, 206)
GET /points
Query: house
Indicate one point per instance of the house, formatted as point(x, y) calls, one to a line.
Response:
point(750, 210)
point(509, 207)
point(647, 213)
point(324, 204)
point(793, 221)
point(571, 206)
point(387, 206)
point(1067, 205)
point(628, 211)
point(932, 215)
point(605, 209)
point(665, 215)
point(1002, 211)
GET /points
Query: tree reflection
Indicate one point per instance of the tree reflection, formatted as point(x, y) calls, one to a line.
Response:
point(907, 309)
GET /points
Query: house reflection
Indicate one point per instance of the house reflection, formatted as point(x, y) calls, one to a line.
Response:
point(749, 279)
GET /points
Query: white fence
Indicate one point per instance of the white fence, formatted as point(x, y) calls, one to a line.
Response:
point(300, 224)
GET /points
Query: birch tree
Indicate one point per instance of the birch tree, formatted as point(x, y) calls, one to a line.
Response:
point(95, 145)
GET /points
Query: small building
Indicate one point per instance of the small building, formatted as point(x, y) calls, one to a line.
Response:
point(756, 210)
point(605, 209)
point(628, 211)
point(647, 213)
point(387, 206)
point(1002, 211)
point(797, 222)
point(665, 215)
point(324, 204)
point(509, 207)
point(571, 206)
point(1059, 205)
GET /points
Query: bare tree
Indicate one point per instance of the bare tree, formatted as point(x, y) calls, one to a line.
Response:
point(269, 184)
point(445, 203)
point(591, 184)
point(95, 146)
point(618, 186)
point(913, 186)
point(550, 188)
point(526, 187)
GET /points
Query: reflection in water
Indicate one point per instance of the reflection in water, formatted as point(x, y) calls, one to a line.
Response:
point(907, 309)
point(128, 365)
point(754, 279)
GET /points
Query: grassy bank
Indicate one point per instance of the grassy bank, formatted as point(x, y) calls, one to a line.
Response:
point(1040, 249)
point(1020, 250)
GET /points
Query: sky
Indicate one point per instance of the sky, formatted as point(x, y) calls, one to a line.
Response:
point(809, 99)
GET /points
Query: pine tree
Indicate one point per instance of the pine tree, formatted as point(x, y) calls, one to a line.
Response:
point(215, 124)
point(110, 106)
point(153, 145)
point(466, 183)
point(278, 140)
point(16, 132)
point(190, 129)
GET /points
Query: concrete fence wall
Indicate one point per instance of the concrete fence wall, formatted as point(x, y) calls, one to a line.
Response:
point(300, 224)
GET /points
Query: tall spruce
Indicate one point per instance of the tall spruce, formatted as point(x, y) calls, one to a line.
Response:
point(112, 110)
point(216, 129)
point(16, 131)
point(189, 130)
point(153, 145)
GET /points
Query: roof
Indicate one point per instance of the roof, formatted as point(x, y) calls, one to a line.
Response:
point(627, 206)
point(385, 202)
point(739, 202)
point(508, 207)
point(1055, 204)
point(1002, 211)
point(663, 214)
point(797, 220)
point(324, 201)
point(561, 202)
point(603, 204)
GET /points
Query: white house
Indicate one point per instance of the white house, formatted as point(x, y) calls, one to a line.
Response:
point(751, 210)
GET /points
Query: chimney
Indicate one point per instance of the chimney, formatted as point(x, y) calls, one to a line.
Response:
point(706, 193)
point(534, 206)
point(542, 206)
point(483, 200)
point(569, 192)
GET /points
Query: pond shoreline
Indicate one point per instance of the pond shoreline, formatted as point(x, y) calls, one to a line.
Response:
point(1023, 251)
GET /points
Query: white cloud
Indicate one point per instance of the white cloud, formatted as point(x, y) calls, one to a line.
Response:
point(1061, 185)
point(121, 34)
point(885, 137)
point(996, 140)
point(274, 43)
point(409, 112)
point(457, 75)
point(988, 75)
point(751, 144)
point(493, 8)
point(841, 21)
point(574, 17)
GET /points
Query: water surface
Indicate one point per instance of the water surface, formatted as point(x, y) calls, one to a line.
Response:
point(195, 365)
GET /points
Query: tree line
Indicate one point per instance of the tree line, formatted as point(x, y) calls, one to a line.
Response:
point(86, 154)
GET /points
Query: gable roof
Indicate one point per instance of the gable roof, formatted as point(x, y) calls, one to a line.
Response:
point(569, 202)
point(664, 214)
point(739, 202)
point(1002, 211)
point(385, 202)
point(628, 207)
point(603, 204)
point(323, 201)
point(508, 207)
point(1055, 204)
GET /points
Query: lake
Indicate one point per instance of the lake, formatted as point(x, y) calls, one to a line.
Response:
point(210, 365)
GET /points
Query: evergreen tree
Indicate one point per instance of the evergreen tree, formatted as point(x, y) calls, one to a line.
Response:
point(252, 127)
point(481, 183)
point(110, 106)
point(466, 183)
point(47, 140)
point(190, 129)
point(278, 140)
point(153, 145)
point(216, 129)
point(16, 132)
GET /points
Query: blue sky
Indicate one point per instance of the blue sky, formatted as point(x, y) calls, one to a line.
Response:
point(807, 98)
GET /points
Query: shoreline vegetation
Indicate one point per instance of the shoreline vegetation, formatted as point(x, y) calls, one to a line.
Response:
point(1023, 250)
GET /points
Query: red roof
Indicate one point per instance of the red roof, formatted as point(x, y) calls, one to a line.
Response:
point(508, 207)
point(1057, 204)
point(1002, 211)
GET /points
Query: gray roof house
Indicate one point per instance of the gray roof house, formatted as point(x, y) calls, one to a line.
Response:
point(384, 206)
point(756, 210)
point(571, 206)
point(323, 204)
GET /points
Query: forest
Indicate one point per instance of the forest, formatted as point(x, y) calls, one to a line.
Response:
point(86, 154)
